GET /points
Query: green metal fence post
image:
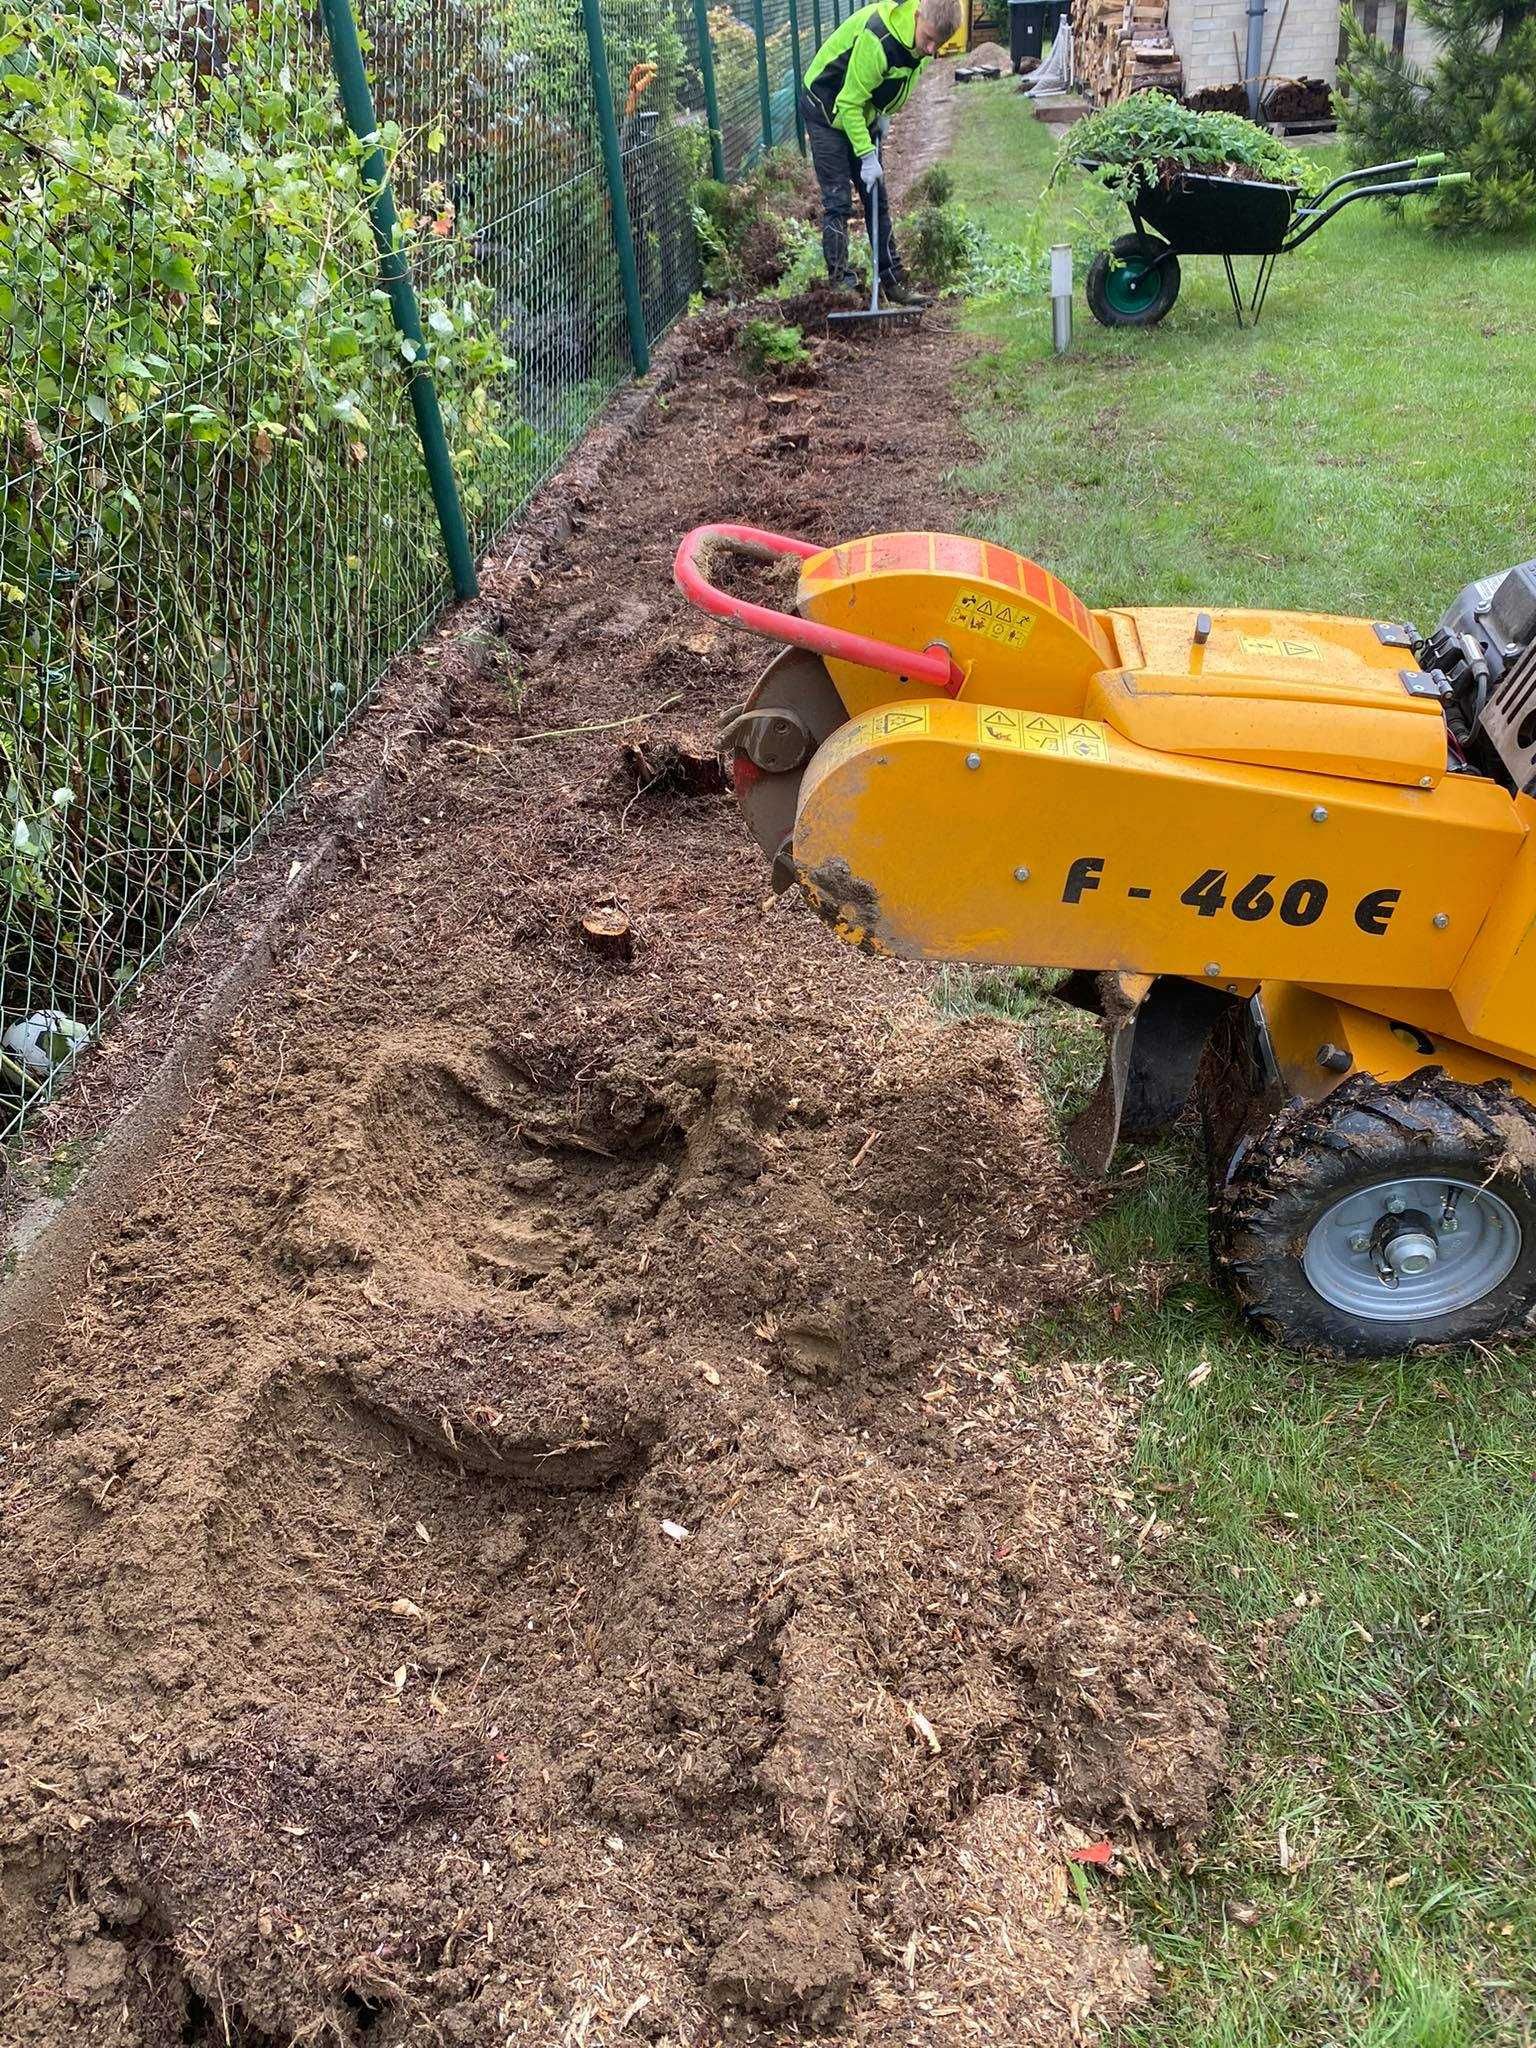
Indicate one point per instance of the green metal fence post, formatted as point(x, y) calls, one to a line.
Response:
point(764, 96)
point(794, 66)
point(707, 79)
point(613, 164)
point(816, 23)
point(395, 277)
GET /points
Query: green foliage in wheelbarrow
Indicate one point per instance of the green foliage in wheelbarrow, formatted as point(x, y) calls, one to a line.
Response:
point(1145, 139)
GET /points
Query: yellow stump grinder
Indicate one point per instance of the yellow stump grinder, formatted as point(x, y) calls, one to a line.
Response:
point(1289, 859)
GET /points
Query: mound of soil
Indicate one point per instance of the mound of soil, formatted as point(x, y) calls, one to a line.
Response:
point(761, 253)
point(543, 1529)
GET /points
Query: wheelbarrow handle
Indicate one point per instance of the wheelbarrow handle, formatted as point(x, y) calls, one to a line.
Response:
point(935, 665)
point(1401, 188)
point(1416, 164)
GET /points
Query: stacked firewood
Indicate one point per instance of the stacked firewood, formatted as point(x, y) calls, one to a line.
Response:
point(1298, 99)
point(1218, 99)
point(1123, 46)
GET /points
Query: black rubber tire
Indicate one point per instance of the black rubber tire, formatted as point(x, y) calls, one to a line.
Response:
point(1145, 249)
point(1366, 1131)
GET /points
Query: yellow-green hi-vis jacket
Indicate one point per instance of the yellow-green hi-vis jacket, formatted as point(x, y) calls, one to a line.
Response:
point(865, 68)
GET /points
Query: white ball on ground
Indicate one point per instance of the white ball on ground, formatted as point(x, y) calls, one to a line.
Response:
point(43, 1041)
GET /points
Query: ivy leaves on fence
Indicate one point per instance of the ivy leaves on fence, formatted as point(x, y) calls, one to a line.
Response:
point(215, 530)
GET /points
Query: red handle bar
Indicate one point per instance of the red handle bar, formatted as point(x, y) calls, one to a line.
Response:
point(935, 666)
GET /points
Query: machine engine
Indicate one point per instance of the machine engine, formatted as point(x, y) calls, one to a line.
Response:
point(1484, 648)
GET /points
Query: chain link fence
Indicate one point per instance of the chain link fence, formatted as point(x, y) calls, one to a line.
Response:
point(217, 523)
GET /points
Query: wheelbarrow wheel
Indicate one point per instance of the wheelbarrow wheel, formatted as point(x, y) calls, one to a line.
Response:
point(1134, 283)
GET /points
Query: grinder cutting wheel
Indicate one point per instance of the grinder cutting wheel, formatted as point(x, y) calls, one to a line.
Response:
point(1291, 854)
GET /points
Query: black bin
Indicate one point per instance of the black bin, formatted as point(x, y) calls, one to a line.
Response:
point(1026, 29)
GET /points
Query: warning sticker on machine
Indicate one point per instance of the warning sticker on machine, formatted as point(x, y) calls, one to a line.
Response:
point(906, 723)
point(901, 721)
point(1037, 732)
point(1285, 650)
point(1010, 625)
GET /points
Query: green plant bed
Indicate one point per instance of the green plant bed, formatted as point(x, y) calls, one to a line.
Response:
point(770, 349)
point(214, 524)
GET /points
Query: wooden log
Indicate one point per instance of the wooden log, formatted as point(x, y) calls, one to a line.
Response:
point(1123, 46)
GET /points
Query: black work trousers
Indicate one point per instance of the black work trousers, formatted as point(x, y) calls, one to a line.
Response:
point(837, 175)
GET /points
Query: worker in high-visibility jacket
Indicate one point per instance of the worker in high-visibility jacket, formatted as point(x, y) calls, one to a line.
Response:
point(858, 78)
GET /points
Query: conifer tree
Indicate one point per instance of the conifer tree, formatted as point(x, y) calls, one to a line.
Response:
point(1476, 100)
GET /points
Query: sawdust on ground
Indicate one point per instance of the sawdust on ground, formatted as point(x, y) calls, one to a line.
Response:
point(540, 1531)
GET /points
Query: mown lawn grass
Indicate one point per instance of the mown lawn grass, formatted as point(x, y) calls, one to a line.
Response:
point(1368, 448)
point(1360, 1541)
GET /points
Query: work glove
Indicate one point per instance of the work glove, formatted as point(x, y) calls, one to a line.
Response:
point(870, 171)
point(879, 127)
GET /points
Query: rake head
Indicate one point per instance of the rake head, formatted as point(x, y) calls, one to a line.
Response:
point(873, 317)
point(872, 320)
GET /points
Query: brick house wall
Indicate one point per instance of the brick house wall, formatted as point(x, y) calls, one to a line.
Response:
point(1203, 32)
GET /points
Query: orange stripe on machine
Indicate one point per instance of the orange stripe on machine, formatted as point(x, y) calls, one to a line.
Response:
point(955, 555)
point(924, 555)
point(1003, 567)
point(827, 568)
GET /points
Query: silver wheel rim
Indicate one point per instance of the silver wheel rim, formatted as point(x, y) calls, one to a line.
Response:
point(1372, 1256)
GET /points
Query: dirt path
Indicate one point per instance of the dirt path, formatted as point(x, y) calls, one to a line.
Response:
point(924, 131)
point(537, 1533)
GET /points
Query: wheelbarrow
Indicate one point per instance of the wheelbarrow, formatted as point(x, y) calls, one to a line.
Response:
point(1203, 213)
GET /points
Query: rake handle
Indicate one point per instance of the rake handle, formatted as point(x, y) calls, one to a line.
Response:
point(874, 238)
